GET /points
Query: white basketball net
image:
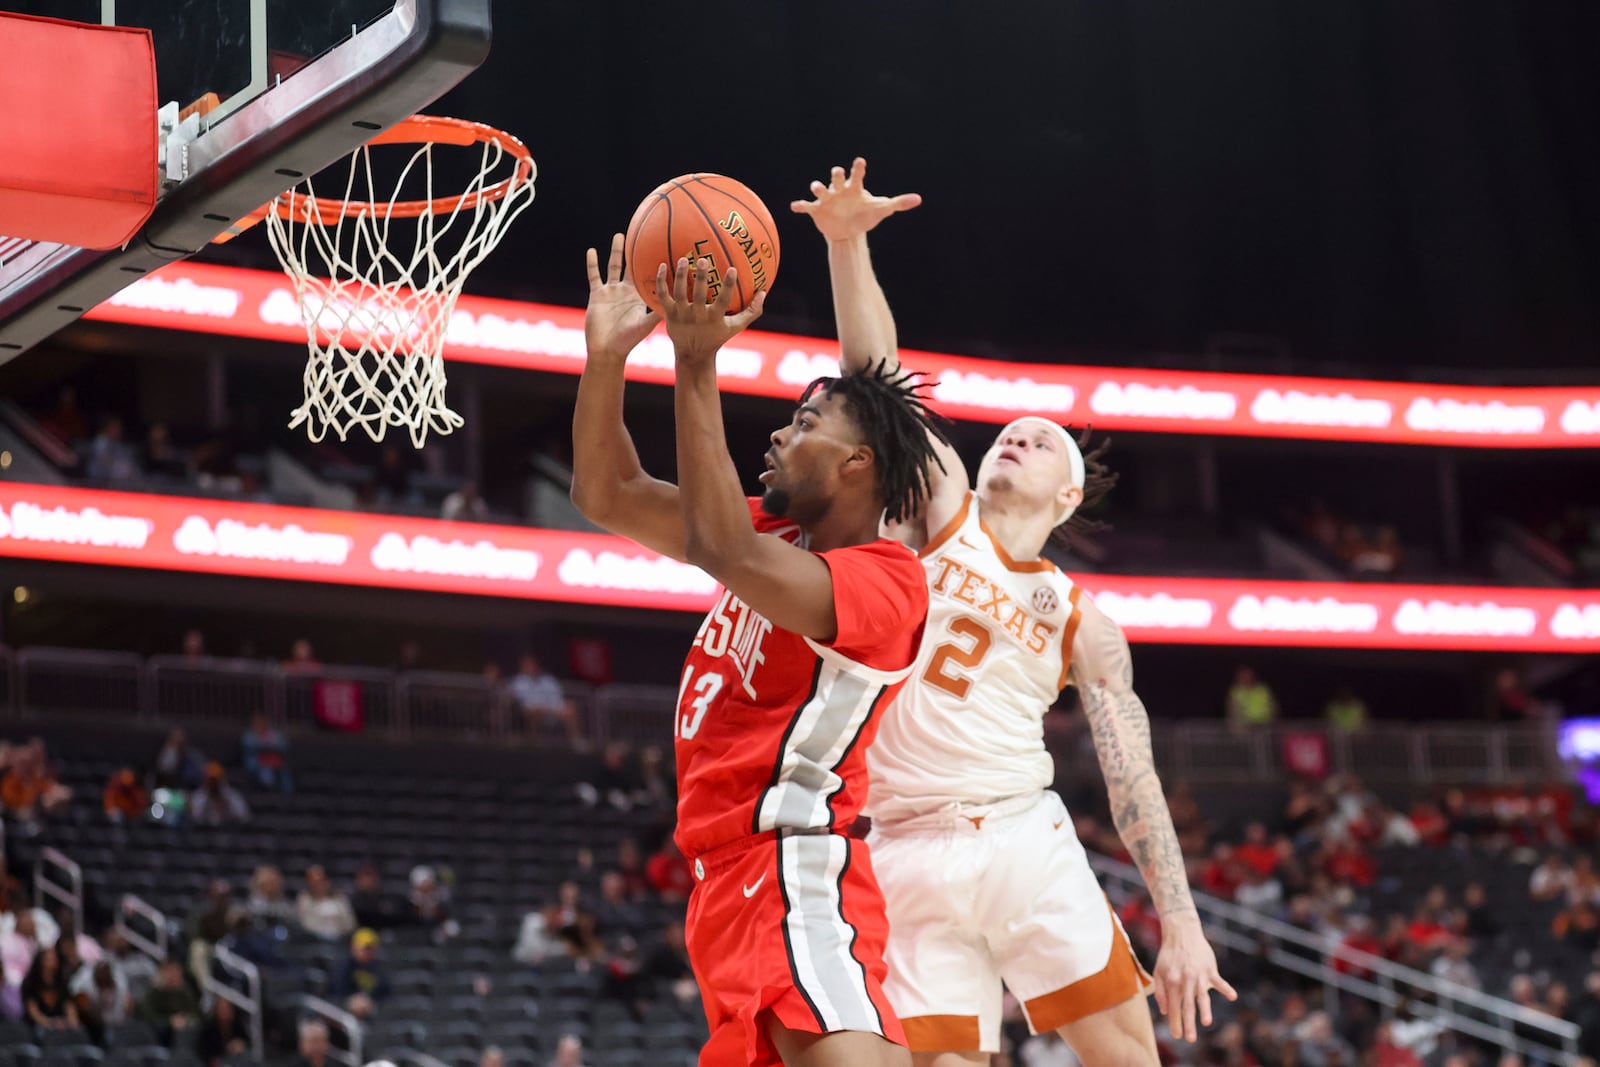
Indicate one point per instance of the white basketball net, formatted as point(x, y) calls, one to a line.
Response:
point(376, 291)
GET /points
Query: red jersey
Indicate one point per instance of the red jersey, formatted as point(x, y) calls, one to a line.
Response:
point(772, 727)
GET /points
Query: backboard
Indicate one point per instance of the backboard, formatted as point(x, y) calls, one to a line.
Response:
point(297, 84)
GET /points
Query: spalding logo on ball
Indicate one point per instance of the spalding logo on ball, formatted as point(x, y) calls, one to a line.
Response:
point(704, 216)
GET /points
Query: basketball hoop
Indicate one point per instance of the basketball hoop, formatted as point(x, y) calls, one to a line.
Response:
point(378, 306)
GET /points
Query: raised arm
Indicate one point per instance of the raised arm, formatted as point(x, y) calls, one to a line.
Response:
point(787, 584)
point(609, 486)
point(1102, 670)
point(845, 212)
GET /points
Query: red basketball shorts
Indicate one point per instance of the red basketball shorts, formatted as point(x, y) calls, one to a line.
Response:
point(793, 926)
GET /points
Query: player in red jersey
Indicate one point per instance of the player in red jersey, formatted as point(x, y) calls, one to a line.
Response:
point(817, 627)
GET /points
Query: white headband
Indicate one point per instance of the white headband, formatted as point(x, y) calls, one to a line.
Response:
point(1074, 457)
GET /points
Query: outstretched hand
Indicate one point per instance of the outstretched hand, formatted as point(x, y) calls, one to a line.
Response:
point(843, 208)
point(617, 318)
point(1186, 974)
point(699, 328)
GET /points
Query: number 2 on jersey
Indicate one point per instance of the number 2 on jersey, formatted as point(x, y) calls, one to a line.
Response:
point(960, 654)
point(706, 688)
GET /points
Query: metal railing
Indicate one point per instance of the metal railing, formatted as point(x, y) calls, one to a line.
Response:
point(48, 885)
point(246, 1000)
point(155, 944)
point(434, 705)
point(337, 1019)
point(1339, 969)
point(1454, 753)
point(69, 681)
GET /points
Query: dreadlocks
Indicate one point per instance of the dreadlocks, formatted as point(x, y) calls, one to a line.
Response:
point(886, 403)
point(1098, 480)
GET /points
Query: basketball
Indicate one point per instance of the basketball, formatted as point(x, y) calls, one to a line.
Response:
point(707, 216)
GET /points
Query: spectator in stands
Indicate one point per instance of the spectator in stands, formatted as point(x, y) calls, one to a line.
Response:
point(1261, 893)
point(323, 911)
point(1512, 702)
point(84, 950)
point(362, 981)
point(669, 964)
point(492, 1056)
point(265, 752)
point(258, 944)
point(624, 981)
point(1558, 1001)
point(581, 941)
point(66, 419)
point(1380, 558)
point(1587, 1016)
point(111, 459)
point(1550, 879)
point(616, 780)
point(1387, 1052)
point(569, 1052)
point(616, 914)
point(133, 968)
point(268, 904)
point(630, 866)
point(1347, 862)
point(17, 949)
point(372, 907)
point(216, 803)
point(209, 924)
point(302, 659)
point(536, 940)
point(162, 459)
point(1251, 703)
point(222, 1033)
point(169, 1006)
point(464, 505)
point(1320, 1046)
point(429, 904)
point(1452, 964)
point(313, 1046)
point(194, 647)
point(46, 1000)
point(539, 696)
point(1187, 819)
point(124, 798)
point(1583, 887)
point(29, 790)
point(1257, 850)
point(1478, 919)
point(1345, 711)
point(179, 765)
point(657, 788)
point(103, 999)
point(669, 872)
point(1578, 926)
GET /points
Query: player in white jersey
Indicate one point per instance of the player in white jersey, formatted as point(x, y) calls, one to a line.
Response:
point(984, 876)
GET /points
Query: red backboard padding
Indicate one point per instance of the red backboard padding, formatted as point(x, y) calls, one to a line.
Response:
point(78, 126)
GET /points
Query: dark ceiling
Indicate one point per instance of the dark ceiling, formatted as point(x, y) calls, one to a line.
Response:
point(1399, 187)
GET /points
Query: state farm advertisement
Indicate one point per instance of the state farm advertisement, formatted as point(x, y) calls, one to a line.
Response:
point(303, 544)
point(540, 337)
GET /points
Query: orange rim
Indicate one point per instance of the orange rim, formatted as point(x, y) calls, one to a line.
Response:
point(419, 129)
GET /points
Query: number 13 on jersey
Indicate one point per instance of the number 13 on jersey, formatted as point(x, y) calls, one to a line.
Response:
point(686, 721)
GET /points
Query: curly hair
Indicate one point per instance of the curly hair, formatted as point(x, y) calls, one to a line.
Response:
point(887, 404)
point(1098, 480)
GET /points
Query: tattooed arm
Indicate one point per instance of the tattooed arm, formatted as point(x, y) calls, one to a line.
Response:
point(1102, 669)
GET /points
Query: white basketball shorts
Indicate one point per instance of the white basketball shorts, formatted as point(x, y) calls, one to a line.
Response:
point(991, 894)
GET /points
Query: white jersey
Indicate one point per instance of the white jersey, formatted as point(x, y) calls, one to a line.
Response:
point(968, 728)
